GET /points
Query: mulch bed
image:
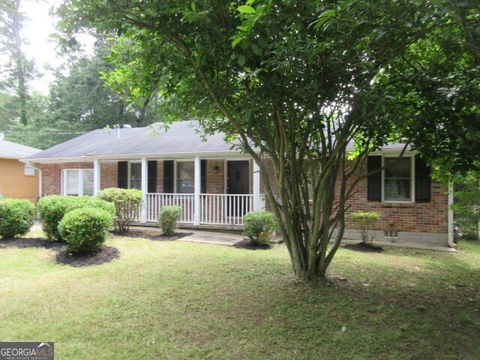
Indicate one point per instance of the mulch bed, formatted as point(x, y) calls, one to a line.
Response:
point(23, 243)
point(153, 236)
point(363, 247)
point(101, 256)
point(247, 244)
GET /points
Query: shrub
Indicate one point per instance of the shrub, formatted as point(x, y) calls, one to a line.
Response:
point(365, 221)
point(53, 208)
point(259, 226)
point(85, 229)
point(126, 202)
point(16, 217)
point(169, 215)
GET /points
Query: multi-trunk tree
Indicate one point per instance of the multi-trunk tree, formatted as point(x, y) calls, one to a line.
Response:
point(296, 82)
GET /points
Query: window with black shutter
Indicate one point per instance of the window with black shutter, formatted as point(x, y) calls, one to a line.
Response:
point(422, 181)
point(152, 176)
point(168, 176)
point(203, 176)
point(374, 181)
point(122, 174)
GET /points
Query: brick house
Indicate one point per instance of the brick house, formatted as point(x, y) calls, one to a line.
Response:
point(216, 185)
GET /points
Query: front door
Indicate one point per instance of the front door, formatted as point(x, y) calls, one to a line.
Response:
point(238, 183)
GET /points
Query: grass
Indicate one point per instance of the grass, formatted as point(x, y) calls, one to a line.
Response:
point(183, 300)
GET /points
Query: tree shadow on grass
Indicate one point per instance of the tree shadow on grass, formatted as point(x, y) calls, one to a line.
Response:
point(22, 243)
point(103, 255)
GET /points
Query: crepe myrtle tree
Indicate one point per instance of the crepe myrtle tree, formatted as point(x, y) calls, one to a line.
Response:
point(294, 82)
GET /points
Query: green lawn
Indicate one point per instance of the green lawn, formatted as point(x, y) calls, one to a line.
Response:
point(183, 300)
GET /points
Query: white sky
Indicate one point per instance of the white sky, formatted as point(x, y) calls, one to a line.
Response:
point(37, 27)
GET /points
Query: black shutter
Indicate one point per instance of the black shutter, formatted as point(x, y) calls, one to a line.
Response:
point(152, 176)
point(168, 176)
point(374, 186)
point(122, 174)
point(422, 181)
point(203, 176)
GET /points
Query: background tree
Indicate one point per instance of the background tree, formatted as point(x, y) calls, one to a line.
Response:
point(294, 81)
point(18, 70)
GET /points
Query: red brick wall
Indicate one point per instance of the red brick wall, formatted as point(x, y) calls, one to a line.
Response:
point(52, 176)
point(429, 217)
point(108, 175)
point(215, 176)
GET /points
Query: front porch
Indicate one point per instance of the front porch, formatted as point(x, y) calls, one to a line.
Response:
point(215, 192)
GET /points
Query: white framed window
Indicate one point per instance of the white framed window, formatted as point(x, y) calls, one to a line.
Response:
point(135, 175)
point(185, 177)
point(398, 178)
point(77, 182)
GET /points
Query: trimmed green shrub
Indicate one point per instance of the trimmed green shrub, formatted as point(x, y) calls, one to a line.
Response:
point(16, 217)
point(365, 221)
point(85, 229)
point(126, 202)
point(53, 208)
point(259, 226)
point(168, 217)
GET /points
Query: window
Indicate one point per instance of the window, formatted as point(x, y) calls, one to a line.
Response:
point(77, 182)
point(397, 179)
point(135, 181)
point(185, 177)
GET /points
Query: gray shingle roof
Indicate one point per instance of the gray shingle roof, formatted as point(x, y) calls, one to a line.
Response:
point(11, 150)
point(180, 138)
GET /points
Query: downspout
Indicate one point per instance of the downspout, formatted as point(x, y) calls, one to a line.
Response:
point(451, 241)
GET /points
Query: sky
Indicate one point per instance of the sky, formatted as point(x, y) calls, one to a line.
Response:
point(38, 26)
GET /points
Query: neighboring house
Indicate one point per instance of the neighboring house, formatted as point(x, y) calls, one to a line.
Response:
point(17, 180)
point(216, 184)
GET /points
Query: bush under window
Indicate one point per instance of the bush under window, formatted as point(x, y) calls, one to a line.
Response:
point(126, 202)
point(16, 217)
point(85, 230)
point(168, 217)
point(259, 226)
point(366, 222)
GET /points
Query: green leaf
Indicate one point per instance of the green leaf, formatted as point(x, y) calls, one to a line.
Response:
point(323, 18)
point(237, 40)
point(241, 60)
point(245, 9)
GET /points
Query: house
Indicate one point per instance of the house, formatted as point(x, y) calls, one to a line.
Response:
point(17, 180)
point(215, 184)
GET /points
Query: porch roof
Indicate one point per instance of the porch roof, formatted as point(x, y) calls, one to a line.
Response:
point(155, 140)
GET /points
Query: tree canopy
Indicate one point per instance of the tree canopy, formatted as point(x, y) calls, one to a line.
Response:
point(296, 82)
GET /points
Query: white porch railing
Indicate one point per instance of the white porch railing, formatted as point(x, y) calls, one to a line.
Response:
point(224, 209)
point(215, 209)
point(155, 202)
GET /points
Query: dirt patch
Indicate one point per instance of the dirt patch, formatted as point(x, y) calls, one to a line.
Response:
point(154, 236)
point(23, 243)
point(103, 255)
point(363, 247)
point(247, 244)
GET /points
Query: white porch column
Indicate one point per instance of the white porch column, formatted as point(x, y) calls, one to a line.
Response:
point(256, 187)
point(143, 213)
point(96, 177)
point(197, 188)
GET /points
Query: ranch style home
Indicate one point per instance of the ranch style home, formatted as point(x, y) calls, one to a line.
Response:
point(216, 185)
